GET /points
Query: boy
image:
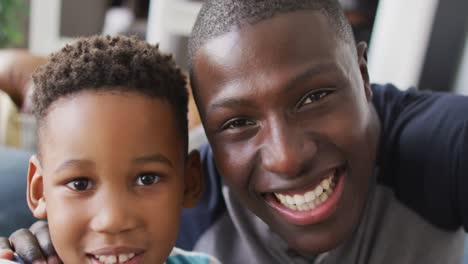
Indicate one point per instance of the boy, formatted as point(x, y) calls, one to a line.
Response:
point(112, 172)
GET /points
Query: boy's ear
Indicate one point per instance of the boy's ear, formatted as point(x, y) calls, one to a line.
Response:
point(35, 189)
point(362, 61)
point(194, 182)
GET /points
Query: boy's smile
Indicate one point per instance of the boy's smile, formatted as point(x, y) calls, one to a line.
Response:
point(112, 178)
point(291, 123)
point(117, 254)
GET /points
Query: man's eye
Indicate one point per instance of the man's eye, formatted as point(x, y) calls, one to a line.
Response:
point(80, 184)
point(147, 179)
point(314, 97)
point(238, 123)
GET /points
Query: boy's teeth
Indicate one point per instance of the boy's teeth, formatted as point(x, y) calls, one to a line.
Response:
point(111, 259)
point(125, 257)
point(310, 199)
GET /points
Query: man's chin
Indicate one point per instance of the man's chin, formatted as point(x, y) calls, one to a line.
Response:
point(317, 239)
point(312, 245)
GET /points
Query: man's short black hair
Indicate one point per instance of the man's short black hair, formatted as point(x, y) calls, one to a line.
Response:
point(105, 63)
point(218, 17)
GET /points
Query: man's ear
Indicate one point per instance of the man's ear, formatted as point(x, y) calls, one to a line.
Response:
point(35, 189)
point(362, 61)
point(194, 182)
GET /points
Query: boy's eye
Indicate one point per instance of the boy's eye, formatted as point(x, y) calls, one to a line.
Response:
point(238, 123)
point(314, 97)
point(148, 179)
point(80, 184)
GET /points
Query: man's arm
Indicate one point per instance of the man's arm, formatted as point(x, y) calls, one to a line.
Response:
point(5, 251)
point(422, 153)
point(31, 245)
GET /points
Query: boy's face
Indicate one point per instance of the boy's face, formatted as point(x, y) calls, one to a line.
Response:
point(287, 109)
point(113, 178)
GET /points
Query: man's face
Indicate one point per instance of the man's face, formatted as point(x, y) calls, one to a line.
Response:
point(112, 177)
point(287, 109)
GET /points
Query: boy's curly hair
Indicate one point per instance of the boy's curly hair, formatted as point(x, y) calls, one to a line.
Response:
point(111, 63)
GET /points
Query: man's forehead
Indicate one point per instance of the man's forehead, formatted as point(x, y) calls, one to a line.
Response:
point(282, 41)
point(286, 35)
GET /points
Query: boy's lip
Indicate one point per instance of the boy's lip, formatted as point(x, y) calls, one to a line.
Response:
point(312, 216)
point(137, 259)
point(134, 254)
point(115, 250)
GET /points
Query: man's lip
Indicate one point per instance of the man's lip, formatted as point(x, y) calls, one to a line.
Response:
point(116, 250)
point(313, 216)
point(303, 185)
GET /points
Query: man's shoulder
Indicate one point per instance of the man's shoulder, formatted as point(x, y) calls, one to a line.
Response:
point(196, 221)
point(212, 176)
point(391, 101)
point(422, 151)
point(179, 256)
point(206, 155)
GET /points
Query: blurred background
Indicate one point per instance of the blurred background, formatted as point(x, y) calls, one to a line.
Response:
point(421, 43)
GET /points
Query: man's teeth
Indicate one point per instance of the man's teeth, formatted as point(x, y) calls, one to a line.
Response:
point(310, 199)
point(111, 259)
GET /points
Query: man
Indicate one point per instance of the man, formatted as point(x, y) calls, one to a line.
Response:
point(309, 174)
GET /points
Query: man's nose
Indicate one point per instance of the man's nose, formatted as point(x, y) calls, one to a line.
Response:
point(113, 214)
point(287, 150)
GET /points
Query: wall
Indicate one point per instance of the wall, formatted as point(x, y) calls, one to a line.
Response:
point(461, 84)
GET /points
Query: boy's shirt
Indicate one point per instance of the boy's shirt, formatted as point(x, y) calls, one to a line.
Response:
point(416, 210)
point(179, 256)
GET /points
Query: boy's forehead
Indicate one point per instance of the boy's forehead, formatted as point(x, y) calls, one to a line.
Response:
point(96, 123)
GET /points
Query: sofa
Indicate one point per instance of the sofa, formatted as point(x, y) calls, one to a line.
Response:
point(14, 211)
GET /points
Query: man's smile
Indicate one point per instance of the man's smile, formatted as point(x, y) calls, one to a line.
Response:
point(312, 204)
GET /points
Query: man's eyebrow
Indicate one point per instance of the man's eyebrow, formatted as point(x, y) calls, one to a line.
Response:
point(230, 103)
point(309, 72)
point(158, 158)
point(75, 163)
point(312, 71)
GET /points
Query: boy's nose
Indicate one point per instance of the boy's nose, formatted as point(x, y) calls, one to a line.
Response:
point(114, 215)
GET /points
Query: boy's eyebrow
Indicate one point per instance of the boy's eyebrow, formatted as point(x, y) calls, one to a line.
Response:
point(74, 163)
point(159, 158)
point(142, 159)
